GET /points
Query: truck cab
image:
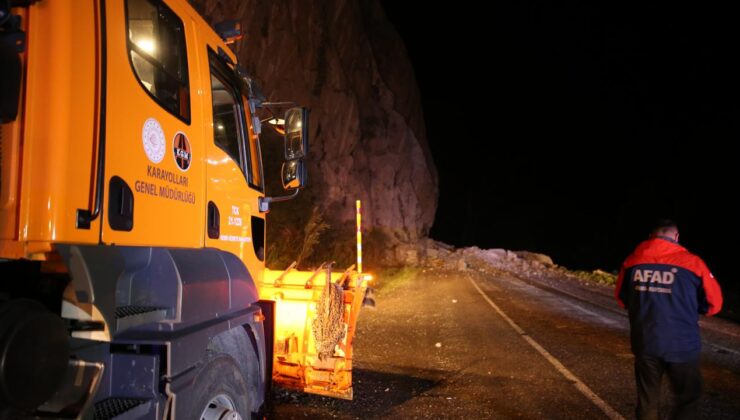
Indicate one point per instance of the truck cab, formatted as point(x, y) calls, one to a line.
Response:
point(133, 222)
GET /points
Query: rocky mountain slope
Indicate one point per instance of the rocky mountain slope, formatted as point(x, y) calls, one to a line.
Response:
point(346, 62)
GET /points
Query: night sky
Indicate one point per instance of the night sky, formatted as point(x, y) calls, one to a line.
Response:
point(571, 129)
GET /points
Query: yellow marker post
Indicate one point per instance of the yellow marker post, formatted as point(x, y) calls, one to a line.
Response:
point(359, 238)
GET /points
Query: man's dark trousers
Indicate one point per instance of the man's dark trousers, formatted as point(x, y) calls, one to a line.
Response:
point(686, 382)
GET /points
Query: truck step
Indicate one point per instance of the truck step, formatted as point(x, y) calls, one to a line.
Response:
point(112, 408)
point(133, 315)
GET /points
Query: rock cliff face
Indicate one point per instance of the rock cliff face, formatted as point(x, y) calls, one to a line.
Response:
point(346, 62)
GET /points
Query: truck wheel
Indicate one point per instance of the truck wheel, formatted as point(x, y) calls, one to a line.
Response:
point(220, 391)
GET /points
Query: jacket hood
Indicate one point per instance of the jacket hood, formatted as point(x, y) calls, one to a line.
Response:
point(658, 246)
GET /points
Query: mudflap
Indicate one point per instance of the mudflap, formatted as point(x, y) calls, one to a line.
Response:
point(315, 320)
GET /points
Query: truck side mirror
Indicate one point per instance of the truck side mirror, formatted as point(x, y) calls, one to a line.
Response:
point(294, 171)
point(296, 133)
point(294, 174)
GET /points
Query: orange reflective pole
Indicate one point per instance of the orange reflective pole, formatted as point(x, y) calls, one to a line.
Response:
point(359, 238)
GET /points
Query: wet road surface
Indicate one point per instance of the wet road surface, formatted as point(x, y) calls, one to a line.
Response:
point(483, 343)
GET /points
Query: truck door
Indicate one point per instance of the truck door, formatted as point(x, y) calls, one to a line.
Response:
point(154, 165)
point(234, 182)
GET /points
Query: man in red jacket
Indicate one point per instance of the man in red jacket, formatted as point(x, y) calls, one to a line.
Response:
point(664, 288)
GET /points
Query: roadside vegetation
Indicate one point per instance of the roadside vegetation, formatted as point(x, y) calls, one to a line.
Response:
point(596, 276)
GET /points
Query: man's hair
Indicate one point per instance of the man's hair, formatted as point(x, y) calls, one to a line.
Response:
point(664, 226)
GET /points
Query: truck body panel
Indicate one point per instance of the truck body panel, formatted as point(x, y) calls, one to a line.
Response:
point(57, 121)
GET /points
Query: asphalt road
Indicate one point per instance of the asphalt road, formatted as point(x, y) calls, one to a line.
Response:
point(481, 343)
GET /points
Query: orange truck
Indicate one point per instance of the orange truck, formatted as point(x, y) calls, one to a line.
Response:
point(132, 223)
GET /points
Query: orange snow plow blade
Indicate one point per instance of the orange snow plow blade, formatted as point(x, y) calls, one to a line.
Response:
point(315, 323)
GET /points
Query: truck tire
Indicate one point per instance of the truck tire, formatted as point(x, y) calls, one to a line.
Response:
point(219, 392)
point(236, 343)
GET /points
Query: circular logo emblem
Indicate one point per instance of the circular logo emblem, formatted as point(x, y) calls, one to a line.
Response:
point(181, 150)
point(153, 138)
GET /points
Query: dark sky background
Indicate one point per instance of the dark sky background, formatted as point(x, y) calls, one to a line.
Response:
point(570, 129)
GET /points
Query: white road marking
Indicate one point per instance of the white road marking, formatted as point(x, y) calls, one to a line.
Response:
point(723, 348)
point(580, 386)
